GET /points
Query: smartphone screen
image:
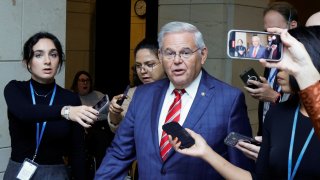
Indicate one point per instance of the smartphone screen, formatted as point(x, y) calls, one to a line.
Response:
point(254, 45)
point(233, 138)
point(250, 74)
point(102, 104)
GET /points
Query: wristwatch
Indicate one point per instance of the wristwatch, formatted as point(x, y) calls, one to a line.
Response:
point(65, 112)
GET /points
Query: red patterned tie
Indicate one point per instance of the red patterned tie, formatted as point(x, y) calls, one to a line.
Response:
point(255, 52)
point(173, 115)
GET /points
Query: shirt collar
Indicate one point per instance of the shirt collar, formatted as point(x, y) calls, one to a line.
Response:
point(191, 90)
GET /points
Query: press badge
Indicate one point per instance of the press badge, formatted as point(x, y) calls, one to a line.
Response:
point(27, 169)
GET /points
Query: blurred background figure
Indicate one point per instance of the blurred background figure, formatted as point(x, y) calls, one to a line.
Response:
point(240, 49)
point(147, 68)
point(99, 136)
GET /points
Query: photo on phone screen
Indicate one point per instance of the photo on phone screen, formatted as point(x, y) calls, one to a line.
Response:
point(233, 138)
point(176, 130)
point(254, 45)
point(250, 74)
point(120, 101)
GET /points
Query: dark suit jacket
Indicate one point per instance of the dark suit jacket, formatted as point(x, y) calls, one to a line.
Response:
point(221, 110)
point(260, 53)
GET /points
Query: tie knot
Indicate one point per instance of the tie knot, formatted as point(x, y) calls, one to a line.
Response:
point(179, 92)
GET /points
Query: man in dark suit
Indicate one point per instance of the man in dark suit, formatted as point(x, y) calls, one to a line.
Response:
point(209, 107)
point(256, 50)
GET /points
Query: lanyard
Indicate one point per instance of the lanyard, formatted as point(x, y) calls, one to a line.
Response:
point(291, 176)
point(39, 136)
point(272, 79)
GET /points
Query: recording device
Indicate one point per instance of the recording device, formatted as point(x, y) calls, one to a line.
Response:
point(176, 130)
point(254, 45)
point(102, 104)
point(124, 96)
point(233, 138)
point(250, 74)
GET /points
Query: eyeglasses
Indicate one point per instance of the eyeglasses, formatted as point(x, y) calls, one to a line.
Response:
point(184, 54)
point(84, 80)
point(147, 67)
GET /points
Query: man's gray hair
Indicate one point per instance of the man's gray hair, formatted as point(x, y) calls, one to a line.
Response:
point(176, 27)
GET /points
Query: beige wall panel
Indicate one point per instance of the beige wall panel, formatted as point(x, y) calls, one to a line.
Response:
point(10, 20)
point(79, 7)
point(81, 0)
point(253, 117)
point(163, 2)
point(137, 34)
point(78, 31)
point(253, 16)
point(4, 157)
point(212, 26)
point(44, 15)
point(137, 20)
point(173, 13)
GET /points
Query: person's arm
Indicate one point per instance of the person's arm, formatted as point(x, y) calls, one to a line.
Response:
point(297, 62)
point(249, 150)
point(310, 97)
point(202, 150)
point(264, 92)
point(116, 112)
point(19, 104)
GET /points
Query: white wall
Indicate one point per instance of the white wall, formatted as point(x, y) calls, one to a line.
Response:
point(19, 20)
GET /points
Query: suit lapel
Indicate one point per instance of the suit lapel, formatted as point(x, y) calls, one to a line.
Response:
point(202, 100)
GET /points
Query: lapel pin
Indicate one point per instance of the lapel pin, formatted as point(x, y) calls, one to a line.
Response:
point(203, 93)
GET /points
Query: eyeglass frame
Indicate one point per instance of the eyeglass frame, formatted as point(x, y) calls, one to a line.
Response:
point(84, 80)
point(180, 54)
point(146, 67)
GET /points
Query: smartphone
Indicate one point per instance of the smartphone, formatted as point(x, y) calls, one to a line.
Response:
point(254, 45)
point(250, 74)
point(102, 104)
point(120, 101)
point(233, 138)
point(176, 130)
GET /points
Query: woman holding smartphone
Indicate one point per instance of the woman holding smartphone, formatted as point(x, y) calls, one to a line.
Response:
point(290, 148)
point(42, 117)
point(148, 69)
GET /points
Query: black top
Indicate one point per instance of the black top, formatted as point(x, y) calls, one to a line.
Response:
point(272, 161)
point(243, 49)
point(60, 138)
point(261, 103)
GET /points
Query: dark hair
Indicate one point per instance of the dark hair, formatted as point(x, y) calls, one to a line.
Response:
point(74, 86)
point(285, 9)
point(309, 37)
point(28, 52)
point(150, 44)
